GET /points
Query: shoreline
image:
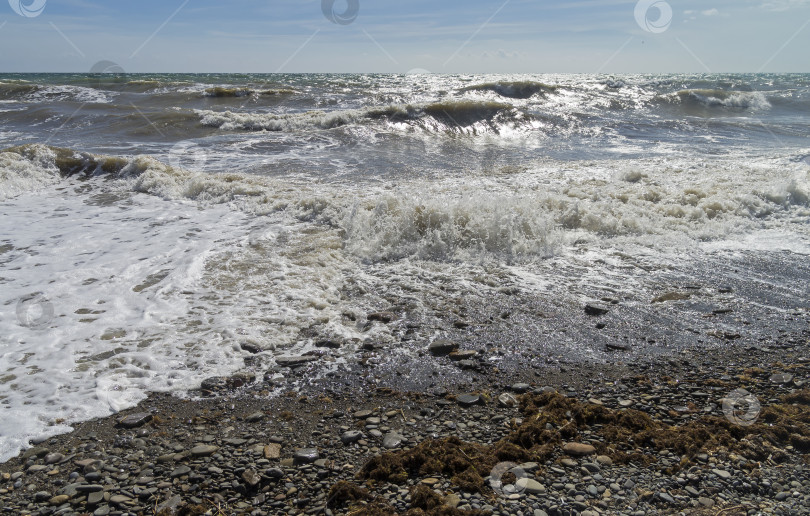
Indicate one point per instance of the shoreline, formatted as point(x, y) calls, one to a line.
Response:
point(239, 451)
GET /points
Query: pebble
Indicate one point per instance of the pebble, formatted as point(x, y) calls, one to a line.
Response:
point(466, 400)
point(351, 436)
point(272, 451)
point(392, 440)
point(595, 310)
point(203, 450)
point(530, 486)
point(135, 420)
point(578, 449)
point(306, 455)
point(442, 347)
point(291, 361)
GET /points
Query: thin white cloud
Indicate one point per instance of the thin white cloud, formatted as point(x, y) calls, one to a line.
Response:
point(784, 5)
point(710, 12)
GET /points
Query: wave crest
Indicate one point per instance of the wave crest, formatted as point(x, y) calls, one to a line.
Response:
point(515, 89)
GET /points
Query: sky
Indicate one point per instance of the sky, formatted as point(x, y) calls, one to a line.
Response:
point(398, 36)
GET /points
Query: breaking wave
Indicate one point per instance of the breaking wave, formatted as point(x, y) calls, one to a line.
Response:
point(721, 98)
point(461, 221)
point(514, 90)
point(452, 116)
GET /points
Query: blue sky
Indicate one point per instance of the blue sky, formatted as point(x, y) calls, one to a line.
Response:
point(447, 36)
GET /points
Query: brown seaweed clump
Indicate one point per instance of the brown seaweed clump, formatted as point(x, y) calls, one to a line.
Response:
point(624, 435)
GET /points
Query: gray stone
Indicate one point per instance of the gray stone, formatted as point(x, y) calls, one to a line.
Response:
point(179, 471)
point(442, 347)
point(529, 486)
point(203, 450)
point(466, 400)
point(53, 458)
point(306, 455)
point(292, 361)
point(595, 310)
point(136, 420)
point(251, 478)
point(256, 416)
point(725, 475)
point(781, 378)
point(351, 436)
point(95, 498)
point(392, 440)
point(520, 388)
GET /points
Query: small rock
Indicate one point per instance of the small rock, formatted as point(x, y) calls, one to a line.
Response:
point(95, 498)
point(179, 471)
point(579, 449)
point(250, 347)
point(329, 343)
point(274, 473)
point(520, 388)
point(392, 440)
point(706, 502)
point(59, 499)
point(272, 451)
point(306, 455)
point(595, 310)
point(41, 496)
point(665, 497)
point(251, 478)
point(725, 475)
point(604, 460)
point(467, 400)
point(135, 420)
point(292, 361)
point(385, 317)
point(351, 436)
point(53, 458)
point(120, 499)
point(203, 450)
point(781, 378)
point(363, 414)
point(256, 416)
point(464, 354)
point(530, 486)
point(441, 347)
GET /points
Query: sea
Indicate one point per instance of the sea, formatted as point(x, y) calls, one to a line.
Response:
point(160, 229)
